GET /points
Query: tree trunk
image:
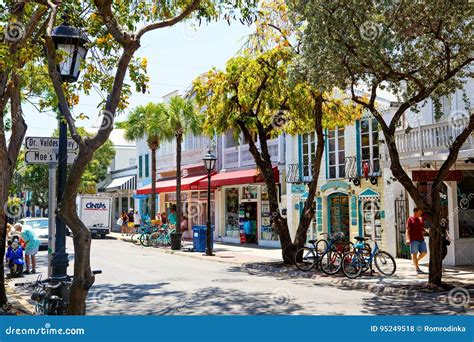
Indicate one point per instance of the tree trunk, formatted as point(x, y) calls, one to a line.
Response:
point(83, 277)
point(3, 224)
point(436, 234)
point(153, 184)
point(264, 163)
point(179, 139)
point(309, 209)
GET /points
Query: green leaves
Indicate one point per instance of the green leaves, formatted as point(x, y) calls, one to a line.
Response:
point(409, 46)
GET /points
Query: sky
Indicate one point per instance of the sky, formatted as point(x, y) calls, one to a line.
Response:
point(175, 56)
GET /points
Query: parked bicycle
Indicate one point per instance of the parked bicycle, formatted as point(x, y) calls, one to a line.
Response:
point(308, 257)
point(330, 261)
point(51, 295)
point(360, 259)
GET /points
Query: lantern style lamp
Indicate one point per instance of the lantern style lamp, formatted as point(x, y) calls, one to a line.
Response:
point(72, 42)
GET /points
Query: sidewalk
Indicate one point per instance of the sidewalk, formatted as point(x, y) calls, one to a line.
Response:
point(267, 262)
point(19, 306)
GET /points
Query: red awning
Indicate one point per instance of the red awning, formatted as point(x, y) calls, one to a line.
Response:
point(237, 177)
point(169, 185)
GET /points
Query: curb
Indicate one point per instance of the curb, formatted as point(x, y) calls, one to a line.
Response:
point(343, 282)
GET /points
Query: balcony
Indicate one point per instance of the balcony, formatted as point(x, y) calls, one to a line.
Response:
point(433, 139)
point(298, 174)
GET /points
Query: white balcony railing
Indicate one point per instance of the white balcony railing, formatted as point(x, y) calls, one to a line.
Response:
point(431, 139)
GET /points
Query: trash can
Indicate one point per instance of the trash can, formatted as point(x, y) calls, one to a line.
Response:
point(175, 241)
point(199, 238)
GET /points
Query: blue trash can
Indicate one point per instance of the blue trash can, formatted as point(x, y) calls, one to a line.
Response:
point(199, 238)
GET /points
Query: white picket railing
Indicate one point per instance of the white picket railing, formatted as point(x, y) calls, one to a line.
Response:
point(431, 139)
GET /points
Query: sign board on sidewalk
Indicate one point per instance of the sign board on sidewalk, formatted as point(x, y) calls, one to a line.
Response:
point(45, 157)
point(48, 144)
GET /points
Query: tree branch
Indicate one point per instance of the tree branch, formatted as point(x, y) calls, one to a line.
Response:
point(169, 22)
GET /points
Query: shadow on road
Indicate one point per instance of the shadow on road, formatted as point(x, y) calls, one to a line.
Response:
point(154, 299)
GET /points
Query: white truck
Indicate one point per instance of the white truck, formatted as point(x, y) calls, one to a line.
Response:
point(96, 213)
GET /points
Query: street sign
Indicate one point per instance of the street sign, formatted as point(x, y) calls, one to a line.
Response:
point(136, 196)
point(46, 157)
point(48, 144)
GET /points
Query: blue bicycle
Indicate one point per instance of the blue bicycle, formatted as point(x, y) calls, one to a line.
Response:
point(361, 258)
point(323, 253)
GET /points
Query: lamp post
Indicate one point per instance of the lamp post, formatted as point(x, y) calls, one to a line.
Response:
point(72, 42)
point(209, 162)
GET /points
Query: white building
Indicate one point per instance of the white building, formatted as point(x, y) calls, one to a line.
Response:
point(423, 143)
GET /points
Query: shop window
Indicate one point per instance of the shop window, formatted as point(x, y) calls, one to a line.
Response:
point(371, 219)
point(232, 228)
point(147, 165)
point(369, 141)
point(466, 205)
point(250, 192)
point(336, 153)
point(308, 149)
point(266, 229)
point(140, 166)
point(230, 140)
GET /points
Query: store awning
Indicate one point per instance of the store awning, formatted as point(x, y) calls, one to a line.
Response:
point(237, 177)
point(169, 185)
point(122, 183)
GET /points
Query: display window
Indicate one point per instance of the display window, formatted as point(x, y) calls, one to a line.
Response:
point(371, 219)
point(250, 192)
point(232, 226)
point(466, 205)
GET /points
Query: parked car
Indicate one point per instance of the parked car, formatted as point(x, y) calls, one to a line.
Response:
point(40, 226)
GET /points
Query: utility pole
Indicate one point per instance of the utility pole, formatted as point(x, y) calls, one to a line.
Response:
point(51, 215)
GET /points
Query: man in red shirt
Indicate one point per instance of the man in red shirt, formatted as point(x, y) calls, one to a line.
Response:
point(414, 238)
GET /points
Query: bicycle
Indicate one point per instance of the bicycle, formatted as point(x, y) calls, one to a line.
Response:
point(359, 260)
point(330, 261)
point(51, 295)
point(307, 257)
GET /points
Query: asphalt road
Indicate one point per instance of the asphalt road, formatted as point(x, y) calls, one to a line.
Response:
point(144, 281)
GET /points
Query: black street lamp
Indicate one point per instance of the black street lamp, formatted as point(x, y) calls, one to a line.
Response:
point(72, 43)
point(209, 162)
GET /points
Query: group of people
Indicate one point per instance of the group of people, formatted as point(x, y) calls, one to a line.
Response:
point(131, 220)
point(22, 239)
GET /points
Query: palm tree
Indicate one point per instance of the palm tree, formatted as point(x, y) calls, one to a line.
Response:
point(181, 119)
point(147, 121)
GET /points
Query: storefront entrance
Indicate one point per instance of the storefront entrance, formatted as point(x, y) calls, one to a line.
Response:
point(248, 221)
point(338, 204)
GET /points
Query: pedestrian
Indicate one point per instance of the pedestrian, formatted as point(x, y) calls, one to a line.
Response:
point(137, 220)
point(130, 221)
point(31, 245)
point(172, 215)
point(124, 226)
point(184, 225)
point(415, 238)
point(164, 220)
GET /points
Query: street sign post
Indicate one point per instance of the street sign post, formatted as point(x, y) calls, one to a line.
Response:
point(46, 157)
point(48, 144)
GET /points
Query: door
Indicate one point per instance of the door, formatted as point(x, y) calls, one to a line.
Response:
point(401, 216)
point(339, 214)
